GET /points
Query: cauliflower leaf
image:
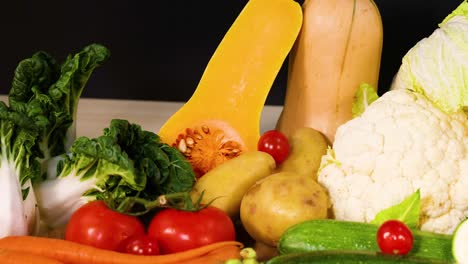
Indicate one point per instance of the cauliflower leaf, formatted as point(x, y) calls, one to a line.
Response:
point(407, 211)
point(365, 95)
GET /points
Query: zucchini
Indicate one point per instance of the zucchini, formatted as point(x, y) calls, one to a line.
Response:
point(327, 234)
point(344, 257)
point(460, 242)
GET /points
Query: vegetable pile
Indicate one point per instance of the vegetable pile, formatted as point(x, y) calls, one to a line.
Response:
point(345, 177)
point(103, 194)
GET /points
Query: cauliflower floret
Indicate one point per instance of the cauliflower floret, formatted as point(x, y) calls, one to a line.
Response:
point(401, 143)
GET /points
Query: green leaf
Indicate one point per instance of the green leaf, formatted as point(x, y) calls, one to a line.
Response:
point(461, 10)
point(407, 211)
point(18, 145)
point(165, 169)
point(182, 176)
point(433, 66)
point(48, 93)
point(365, 95)
point(38, 72)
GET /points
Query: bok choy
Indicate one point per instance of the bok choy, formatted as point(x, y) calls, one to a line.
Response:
point(37, 124)
point(125, 162)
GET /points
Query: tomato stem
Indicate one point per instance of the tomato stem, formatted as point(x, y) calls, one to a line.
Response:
point(178, 200)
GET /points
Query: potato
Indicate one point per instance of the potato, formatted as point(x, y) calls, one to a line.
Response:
point(279, 201)
point(227, 183)
point(307, 148)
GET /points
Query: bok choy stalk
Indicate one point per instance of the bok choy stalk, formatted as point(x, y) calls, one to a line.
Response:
point(93, 167)
point(19, 167)
point(125, 161)
point(49, 94)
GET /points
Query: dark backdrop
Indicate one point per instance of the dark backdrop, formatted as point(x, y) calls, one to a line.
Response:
point(160, 48)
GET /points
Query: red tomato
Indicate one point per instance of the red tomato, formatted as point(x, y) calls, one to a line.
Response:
point(96, 225)
point(178, 230)
point(394, 237)
point(141, 244)
point(274, 143)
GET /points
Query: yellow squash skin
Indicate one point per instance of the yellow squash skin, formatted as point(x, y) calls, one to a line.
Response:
point(235, 84)
point(339, 47)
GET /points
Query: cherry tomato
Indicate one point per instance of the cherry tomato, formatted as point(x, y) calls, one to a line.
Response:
point(141, 244)
point(274, 143)
point(97, 225)
point(177, 230)
point(394, 237)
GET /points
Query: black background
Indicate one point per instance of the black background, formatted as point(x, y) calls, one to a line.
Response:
point(160, 48)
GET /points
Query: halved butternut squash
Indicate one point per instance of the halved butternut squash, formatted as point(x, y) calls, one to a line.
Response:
point(222, 118)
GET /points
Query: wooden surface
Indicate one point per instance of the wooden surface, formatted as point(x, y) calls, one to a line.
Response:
point(95, 114)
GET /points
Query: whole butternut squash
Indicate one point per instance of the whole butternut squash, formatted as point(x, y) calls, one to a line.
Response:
point(222, 118)
point(339, 48)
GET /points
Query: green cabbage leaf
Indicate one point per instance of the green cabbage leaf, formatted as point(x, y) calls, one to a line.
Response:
point(437, 66)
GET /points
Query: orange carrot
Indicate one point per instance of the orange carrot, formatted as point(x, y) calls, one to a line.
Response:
point(74, 253)
point(15, 257)
point(217, 256)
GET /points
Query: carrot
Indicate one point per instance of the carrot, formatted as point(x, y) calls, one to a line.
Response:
point(217, 256)
point(73, 253)
point(15, 257)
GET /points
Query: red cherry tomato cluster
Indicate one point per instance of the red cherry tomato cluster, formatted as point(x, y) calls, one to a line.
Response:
point(276, 144)
point(169, 231)
point(394, 237)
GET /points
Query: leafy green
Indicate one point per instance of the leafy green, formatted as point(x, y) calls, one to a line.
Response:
point(407, 211)
point(19, 167)
point(38, 123)
point(365, 95)
point(165, 168)
point(49, 94)
point(94, 168)
point(461, 10)
point(125, 162)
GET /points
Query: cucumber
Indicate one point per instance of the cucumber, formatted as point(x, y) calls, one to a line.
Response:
point(327, 234)
point(460, 242)
point(344, 257)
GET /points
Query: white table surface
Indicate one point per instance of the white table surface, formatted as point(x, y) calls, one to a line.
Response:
point(95, 114)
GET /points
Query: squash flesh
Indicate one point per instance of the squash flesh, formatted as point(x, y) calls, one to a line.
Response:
point(233, 89)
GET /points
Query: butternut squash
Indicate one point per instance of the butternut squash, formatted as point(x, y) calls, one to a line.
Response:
point(222, 118)
point(339, 47)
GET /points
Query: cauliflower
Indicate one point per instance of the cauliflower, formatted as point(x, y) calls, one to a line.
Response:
point(413, 137)
point(401, 143)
